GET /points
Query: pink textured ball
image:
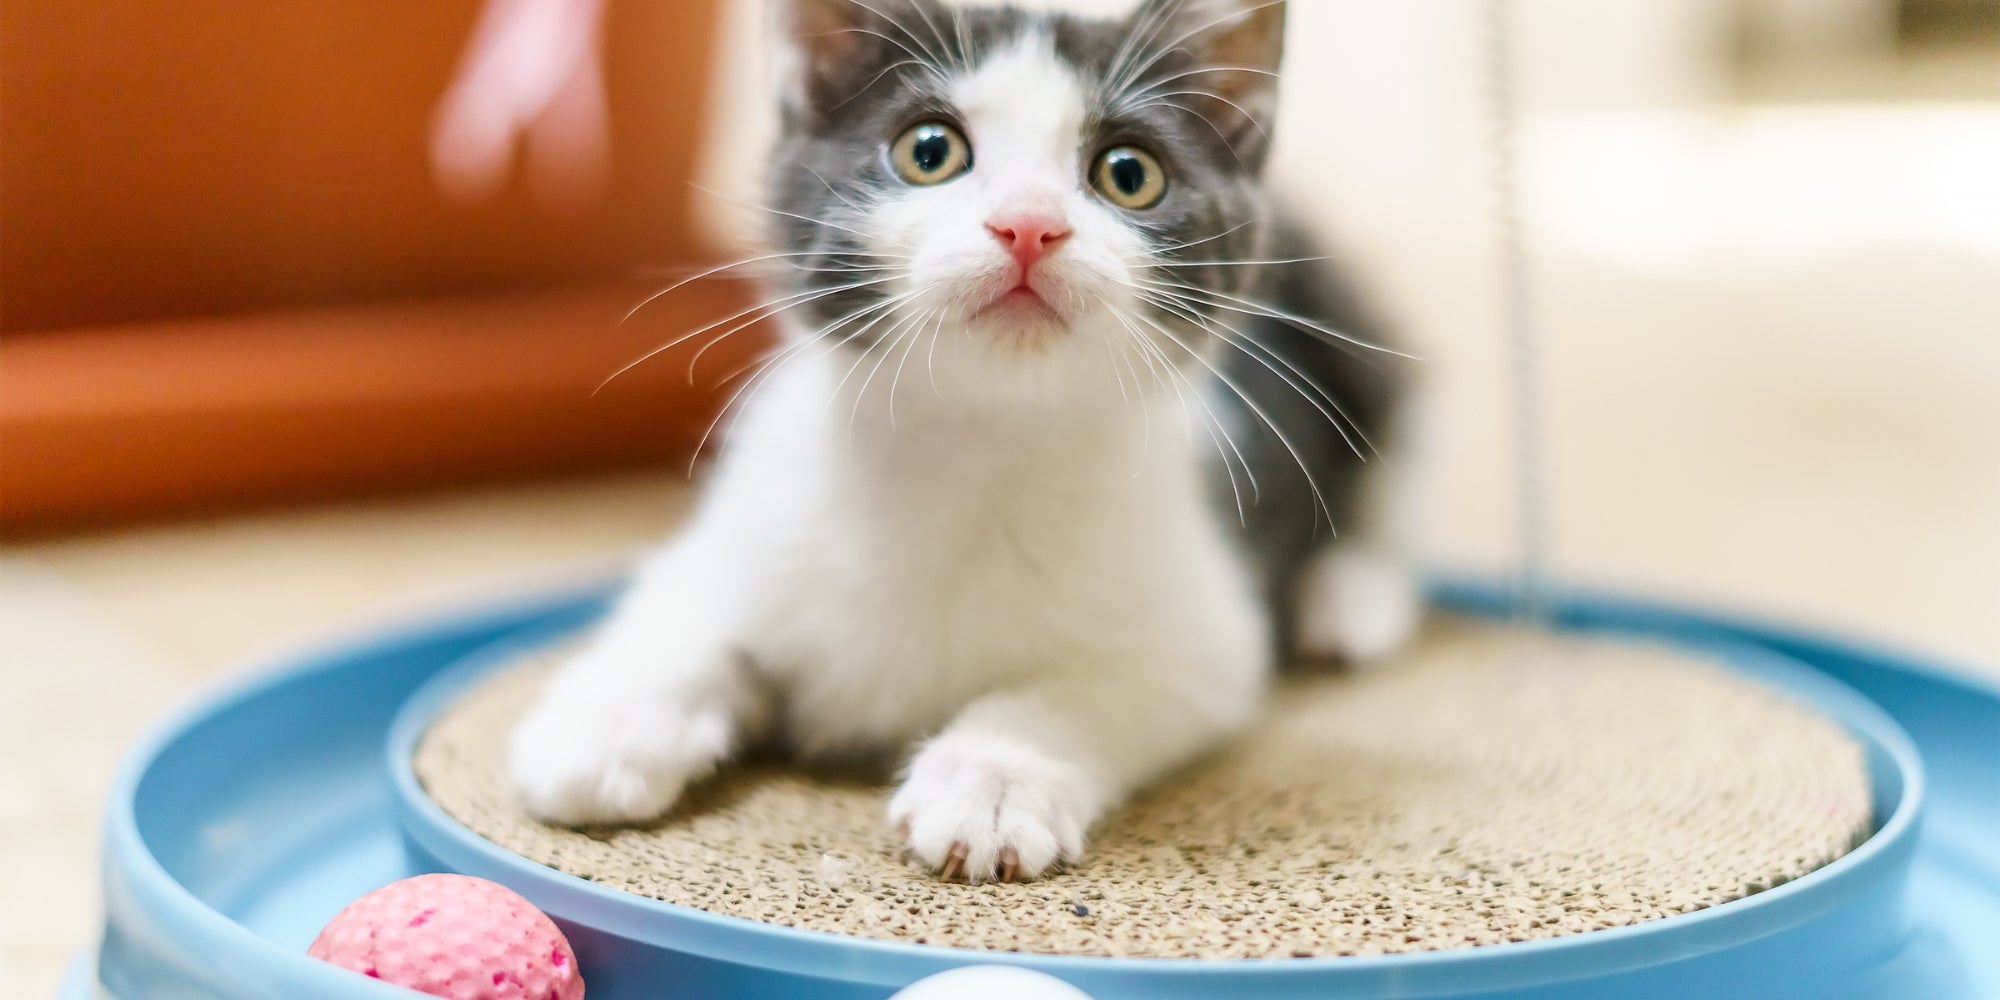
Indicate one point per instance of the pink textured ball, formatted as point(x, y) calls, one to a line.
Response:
point(453, 936)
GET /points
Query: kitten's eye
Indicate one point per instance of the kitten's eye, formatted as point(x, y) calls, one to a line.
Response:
point(1129, 177)
point(931, 153)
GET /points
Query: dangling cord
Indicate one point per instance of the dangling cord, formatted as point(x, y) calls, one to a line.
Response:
point(1530, 470)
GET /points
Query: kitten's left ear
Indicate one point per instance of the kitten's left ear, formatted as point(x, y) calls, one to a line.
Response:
point(1236, 46)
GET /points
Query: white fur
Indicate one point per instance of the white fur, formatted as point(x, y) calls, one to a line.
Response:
point(1356, 605)
point(1002, 553)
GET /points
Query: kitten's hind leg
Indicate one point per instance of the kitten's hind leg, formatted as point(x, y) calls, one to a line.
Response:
point(1356, 605)
point(1359, 598)
point(655, 702)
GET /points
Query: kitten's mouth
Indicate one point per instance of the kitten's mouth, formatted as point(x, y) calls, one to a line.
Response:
point(1022, 304)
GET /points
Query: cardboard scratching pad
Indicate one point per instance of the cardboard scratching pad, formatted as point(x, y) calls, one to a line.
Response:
point(1487, 786)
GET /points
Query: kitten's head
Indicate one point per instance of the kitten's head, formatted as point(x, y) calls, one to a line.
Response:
point(1016, 192)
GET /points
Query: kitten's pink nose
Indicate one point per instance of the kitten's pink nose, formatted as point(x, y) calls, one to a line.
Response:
point(1029, 236)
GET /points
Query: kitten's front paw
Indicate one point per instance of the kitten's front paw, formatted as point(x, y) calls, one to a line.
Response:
point(981, 809)
point(582, 763)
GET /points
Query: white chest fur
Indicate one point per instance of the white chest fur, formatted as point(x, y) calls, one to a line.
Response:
point(884, 574)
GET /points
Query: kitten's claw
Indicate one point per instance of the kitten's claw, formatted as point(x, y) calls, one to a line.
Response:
point(954, 862)
point(978, 810)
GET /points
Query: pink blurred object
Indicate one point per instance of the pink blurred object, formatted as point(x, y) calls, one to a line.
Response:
point(530, 74)
point(453, 936)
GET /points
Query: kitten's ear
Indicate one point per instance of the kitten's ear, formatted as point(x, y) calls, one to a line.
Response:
point(828, 49)
point(1236, 46)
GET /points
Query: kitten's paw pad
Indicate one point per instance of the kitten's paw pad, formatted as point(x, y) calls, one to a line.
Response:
point(1357, 607)
point(979, 810)
point(580, 764)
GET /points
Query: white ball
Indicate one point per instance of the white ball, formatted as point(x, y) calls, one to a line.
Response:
point(991, 982)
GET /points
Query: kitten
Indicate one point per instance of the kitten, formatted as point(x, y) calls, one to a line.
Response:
point(1045, 478)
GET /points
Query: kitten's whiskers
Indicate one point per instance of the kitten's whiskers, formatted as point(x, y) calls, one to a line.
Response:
point(1252, 307)
point(1239, 227)
point(1186, 390)
point(767, 367)
point(866, 351)
point(721, 269)
point(778, 212)
point(1229, 263)
point(1241, 341)
point(830, 189)
point(916, 334)
point(1161, 100)
point(1319, 497)
point(774, 307)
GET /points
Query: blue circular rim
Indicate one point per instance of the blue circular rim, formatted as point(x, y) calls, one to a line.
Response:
point(1495, 967)
point(232, 957)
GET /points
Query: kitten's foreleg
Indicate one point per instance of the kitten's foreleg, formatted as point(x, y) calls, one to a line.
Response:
point(659, 697)
point(1012, 786)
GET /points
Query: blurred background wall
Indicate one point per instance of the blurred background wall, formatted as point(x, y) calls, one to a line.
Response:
point(229, 277)
point(208, 157)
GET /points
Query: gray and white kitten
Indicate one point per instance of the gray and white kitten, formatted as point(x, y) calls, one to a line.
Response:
point(1045, 478)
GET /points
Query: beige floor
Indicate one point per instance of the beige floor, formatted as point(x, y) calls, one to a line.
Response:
point(1817, 437)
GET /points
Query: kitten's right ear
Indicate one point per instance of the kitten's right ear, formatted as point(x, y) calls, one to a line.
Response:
point(823, 46)
point(1236, 46)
